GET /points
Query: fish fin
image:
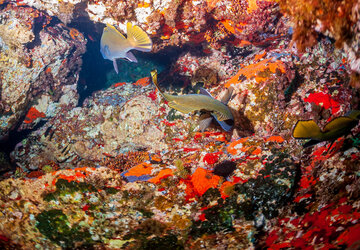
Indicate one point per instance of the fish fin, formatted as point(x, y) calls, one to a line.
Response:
point(138, 38)
point(306, 130)
point(227, 96)
point(155, 82)
point(115, 66)
point(355, 114)
point(225, 126)
point(219, 116)
point(340, 122)
point(110, 28)
point(180, 108)
point(205, 92)
point(130, 56)
point(205, 123)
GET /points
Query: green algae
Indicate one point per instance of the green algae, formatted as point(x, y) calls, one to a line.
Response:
point(181, 170)
point(272, 189)
point(64, 187)
point(55, 226)
point(172, 115)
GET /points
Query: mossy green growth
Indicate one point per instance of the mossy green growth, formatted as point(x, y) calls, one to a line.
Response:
point(47, 169)
point(111, 190)
point(64, 187)
point(55, 226)
point(181, 170)
point(265, 194)
point(172, 116)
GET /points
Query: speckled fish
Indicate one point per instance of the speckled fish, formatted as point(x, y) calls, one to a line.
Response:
point(334, 129)
point(114, 45)
point(198, 102)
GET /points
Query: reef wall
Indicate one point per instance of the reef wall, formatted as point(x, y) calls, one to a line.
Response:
point(125, 171)
point(40, 64)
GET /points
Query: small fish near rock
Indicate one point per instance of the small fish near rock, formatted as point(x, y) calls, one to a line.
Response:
point(114, 45)
point(199, 102)
point(337, 127)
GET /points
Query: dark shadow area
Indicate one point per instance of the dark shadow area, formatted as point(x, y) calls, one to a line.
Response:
point(15, 136)
point(293, 86)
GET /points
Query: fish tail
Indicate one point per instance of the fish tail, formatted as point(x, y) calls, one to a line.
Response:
point(138, 38)
point(307, 130)
point(154, 80)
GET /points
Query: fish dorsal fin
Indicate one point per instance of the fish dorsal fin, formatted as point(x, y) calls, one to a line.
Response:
point(338, 123)
point(180, 108)
point(205, 92)
point(219, 116)
point(138, 38)
point(306, 130)
point(114, 30)
point(130, 56)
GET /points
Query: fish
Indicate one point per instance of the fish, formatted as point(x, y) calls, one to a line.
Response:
point(337, 127)
point(114, 45)
point(199, 102)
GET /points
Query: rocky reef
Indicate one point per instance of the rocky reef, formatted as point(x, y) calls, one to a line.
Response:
point(122, 170)
point(40, 66)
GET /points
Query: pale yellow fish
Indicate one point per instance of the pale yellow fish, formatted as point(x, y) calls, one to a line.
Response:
point(115, 45)
point(197, 102)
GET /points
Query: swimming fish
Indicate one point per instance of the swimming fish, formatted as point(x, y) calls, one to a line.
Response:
point(334, 129)
point(199, 102)
point(114, 45)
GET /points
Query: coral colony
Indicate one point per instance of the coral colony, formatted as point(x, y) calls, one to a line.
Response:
point(88, 161)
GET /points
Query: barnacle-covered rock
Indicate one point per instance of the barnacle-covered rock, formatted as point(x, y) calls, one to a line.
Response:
point(39, 65)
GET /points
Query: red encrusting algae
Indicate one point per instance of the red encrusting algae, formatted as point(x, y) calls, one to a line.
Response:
point(32, 115)
point(324, 100)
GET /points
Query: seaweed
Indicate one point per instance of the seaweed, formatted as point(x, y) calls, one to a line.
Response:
point(55, 226)
point(335, 17)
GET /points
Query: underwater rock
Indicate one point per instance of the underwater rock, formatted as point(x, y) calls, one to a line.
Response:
point(40, 66)
point(113, 121)
point(64, 10)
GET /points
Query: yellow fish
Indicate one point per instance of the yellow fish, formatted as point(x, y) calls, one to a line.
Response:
point(114, 45)
point(334, 129)
point(196, 102)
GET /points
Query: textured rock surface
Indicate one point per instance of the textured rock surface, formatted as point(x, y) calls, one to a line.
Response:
point(39, 66)
point(114, 121)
